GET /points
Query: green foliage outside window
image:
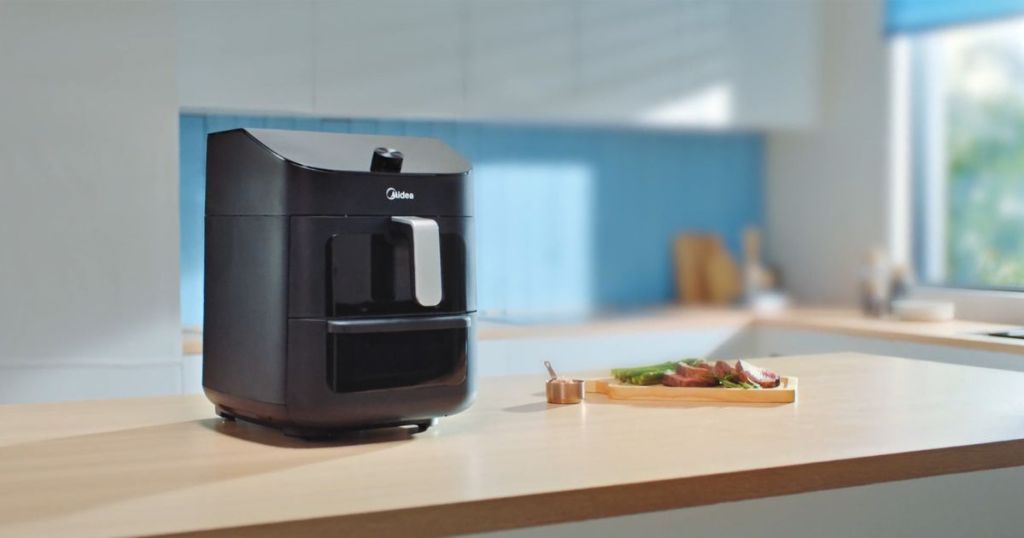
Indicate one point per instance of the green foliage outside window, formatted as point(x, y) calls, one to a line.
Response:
point(985, 151)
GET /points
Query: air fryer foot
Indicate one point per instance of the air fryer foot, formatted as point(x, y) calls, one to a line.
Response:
point(224, 414)
point(423, 425)
point(327, 435)
point(311, 435)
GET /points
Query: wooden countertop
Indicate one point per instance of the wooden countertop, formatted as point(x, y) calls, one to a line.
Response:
point(653, 320)
point(167, 465)
point(957, 333)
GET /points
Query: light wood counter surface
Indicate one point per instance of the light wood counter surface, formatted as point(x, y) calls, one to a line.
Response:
point(957, 333)
point(653, 320)
point(167, 465)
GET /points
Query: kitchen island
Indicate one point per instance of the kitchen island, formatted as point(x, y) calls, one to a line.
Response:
point(168, 465)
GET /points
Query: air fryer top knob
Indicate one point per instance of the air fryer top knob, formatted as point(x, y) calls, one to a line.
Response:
point(386, 160)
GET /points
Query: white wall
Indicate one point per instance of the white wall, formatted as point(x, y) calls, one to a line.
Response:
point(88, 200)
point(253, 55)
point(827, 188)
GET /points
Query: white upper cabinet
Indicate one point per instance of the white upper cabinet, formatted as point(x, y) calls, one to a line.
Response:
point(777, 45)
point(653, 61)
point(748, 64)
point(707, 63)
point(520, 57)
point(389, 58)
point(252, 56)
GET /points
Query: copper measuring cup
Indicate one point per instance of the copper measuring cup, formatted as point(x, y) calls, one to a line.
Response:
point(563, 390)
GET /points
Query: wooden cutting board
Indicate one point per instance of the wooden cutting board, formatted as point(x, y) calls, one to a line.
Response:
point(614, 390)
point(705, 271)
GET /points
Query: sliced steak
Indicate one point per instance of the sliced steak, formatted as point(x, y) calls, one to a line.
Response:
point(696, 372)
point(748, 373)
point(722, 370)
point(679, 380)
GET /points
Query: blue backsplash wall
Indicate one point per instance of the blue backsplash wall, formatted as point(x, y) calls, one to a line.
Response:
point(568, 219)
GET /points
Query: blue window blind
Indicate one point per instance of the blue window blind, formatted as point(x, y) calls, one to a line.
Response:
point(568, 219)
point(904, 16)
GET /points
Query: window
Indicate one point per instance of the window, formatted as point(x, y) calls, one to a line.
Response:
point(967, 95)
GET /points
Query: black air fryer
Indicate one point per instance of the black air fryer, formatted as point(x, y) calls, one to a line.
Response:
point(339, 280)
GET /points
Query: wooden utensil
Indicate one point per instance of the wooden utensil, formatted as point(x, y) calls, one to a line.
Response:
point(720, 273)
point(689, 256)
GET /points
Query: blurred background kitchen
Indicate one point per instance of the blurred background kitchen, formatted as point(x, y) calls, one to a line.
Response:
point(632, 160)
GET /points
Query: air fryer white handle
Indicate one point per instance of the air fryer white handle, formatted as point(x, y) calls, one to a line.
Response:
point(425, 244)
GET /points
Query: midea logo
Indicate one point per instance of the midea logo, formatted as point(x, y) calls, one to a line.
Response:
point(395, 194)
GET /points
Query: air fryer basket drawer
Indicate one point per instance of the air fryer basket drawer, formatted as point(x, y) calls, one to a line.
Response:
point(388, 353)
